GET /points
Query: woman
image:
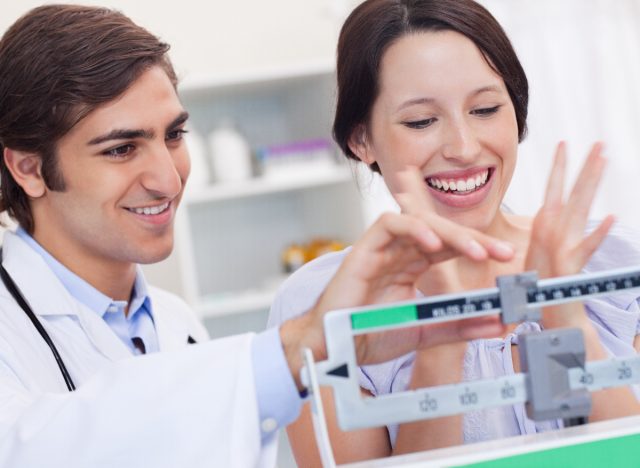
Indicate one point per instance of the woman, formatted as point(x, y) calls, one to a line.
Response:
point(435, 86)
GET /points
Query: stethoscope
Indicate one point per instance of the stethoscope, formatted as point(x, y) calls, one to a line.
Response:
point(24, 305)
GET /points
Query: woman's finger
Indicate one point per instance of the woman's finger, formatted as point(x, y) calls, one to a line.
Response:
point(586, 186)
point(391, 226)
point(414, 201)
point(555, 183)
point(412, 184)
point(590, 244)
point(457, 239)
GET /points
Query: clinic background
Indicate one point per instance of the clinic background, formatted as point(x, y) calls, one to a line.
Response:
point(582, 58)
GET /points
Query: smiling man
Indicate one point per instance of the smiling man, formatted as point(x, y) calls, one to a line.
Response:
point(94, 166)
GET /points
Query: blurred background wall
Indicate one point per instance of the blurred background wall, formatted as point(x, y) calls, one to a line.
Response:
point(582, 58)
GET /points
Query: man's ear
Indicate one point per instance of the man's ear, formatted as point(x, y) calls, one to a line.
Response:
point(26, 169)
point(359, 145)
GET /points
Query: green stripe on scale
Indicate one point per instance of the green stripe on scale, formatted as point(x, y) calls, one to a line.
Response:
point(384, 317)
point(621, 452)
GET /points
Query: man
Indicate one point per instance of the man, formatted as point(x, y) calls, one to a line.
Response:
point(93, 170)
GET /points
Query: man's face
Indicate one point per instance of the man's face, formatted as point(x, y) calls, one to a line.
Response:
point(124, 166)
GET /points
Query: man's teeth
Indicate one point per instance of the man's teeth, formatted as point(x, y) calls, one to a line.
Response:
point(150, 210)
point(459, 185)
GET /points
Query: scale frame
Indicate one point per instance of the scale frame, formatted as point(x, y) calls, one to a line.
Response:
point(517, 298)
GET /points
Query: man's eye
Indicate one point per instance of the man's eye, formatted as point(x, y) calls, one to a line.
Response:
point(119, 151)
point(176, 134)
point(485, 111)
point(419, 124)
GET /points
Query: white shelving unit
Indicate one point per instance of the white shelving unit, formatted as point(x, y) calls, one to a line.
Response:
point(230, 237)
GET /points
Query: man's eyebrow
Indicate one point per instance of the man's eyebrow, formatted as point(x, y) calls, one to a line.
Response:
point(131, 134)
point(182, 118)
point(122, 134)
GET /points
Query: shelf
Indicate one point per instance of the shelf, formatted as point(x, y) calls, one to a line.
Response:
point(262, 185)
point(238, 303)
point(193, 86)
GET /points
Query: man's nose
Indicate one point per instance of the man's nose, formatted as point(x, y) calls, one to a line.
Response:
point(161, 175)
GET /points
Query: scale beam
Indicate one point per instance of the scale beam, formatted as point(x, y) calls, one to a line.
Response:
point(555, 382)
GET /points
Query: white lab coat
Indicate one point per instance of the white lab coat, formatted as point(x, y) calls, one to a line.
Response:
point(187, 406)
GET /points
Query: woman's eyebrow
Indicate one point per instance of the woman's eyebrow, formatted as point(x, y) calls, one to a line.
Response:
point(487, 89)
point(416, 101)
point(430, 100)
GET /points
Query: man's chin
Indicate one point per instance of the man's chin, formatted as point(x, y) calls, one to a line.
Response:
point(149, 256)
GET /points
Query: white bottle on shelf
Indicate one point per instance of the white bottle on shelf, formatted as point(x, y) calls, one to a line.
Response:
point(200, 175)
point(230, 154)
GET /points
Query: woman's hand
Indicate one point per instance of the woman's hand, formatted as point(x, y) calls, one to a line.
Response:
point(559, 247)
point(383, 266)
point(558, 244)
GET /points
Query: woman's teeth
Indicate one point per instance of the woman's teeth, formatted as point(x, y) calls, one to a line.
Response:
point(150, 210)
point(459, 185)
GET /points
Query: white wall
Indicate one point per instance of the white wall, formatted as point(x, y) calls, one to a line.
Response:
point(219, 37)
point(582, 58)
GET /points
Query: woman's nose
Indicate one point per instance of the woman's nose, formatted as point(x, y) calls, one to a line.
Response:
point(460, 142)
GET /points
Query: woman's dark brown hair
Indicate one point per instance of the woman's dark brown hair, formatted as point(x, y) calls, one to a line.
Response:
point(375, 24)
point(57, 64)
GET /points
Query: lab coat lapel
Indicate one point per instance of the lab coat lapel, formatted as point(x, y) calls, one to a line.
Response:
point(48, 297)
point(101, 335)
point(171, 331)
point(39, 285)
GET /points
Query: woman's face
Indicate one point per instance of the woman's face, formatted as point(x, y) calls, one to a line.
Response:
point(442, 109)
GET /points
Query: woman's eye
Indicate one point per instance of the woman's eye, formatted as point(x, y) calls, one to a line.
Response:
point(176, 134)
point(485, 111)
point(119, 151)
point(419, 124)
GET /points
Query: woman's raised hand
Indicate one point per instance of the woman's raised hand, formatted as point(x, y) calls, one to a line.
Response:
point(558, 243)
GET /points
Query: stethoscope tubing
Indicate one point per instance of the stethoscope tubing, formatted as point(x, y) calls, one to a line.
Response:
point(24, 305)
point(13, 289)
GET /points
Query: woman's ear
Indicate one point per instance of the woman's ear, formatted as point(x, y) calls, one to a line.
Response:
point(26, 169)
point(359, 145)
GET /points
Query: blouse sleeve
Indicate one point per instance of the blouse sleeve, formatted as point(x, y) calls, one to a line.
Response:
point(617, 317)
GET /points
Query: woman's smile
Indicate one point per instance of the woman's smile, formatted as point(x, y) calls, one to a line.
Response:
point(461, 189)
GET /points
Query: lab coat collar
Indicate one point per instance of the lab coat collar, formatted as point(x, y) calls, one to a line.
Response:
point(47, 296)
point(40, 286)
point(172, 331)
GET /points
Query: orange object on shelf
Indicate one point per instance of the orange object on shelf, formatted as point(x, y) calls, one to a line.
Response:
point(295, 255)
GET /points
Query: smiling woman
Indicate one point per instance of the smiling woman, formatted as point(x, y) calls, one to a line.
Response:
point(434, 86)
point(439, 96)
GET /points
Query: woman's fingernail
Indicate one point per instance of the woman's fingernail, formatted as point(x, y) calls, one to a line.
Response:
point(503, 248)
point(475, 249)
point(431, 238)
